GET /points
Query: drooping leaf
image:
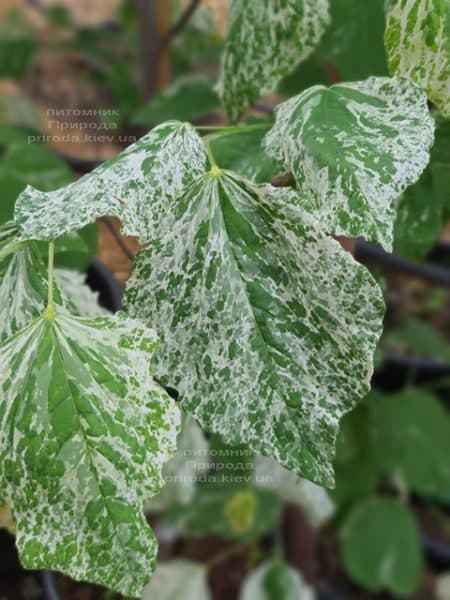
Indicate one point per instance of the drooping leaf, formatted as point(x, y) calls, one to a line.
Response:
point(418, 46)
point(178, 580)
point(242, 152)
point(411, 435)
point(274, 580)
point(266, 40)
point(268, 326)
point(314, 500)
point(189, 98)
point(354, 148)
point(153, 170)
point(380, 547)
point(84, 435)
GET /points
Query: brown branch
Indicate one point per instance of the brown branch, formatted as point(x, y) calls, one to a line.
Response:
point(148, 37)
point(178, 27)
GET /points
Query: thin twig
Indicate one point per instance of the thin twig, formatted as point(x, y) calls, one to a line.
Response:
point(148, 37)
point(178, 27)
point(119, 241)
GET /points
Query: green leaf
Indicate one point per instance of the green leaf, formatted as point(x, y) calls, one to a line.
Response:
point(274, 580)
point(242, 152)
point(29, 164)
point(178, 580)
point(84, 435)
point(353, 149)
point(265, 41)
point(233, 511)
point(380, 547)
point(419, 219)
point(440, 165)
point(262, 348)
point(153, 170)
point(189, 98)
point(15, 56)
point(355, 464)
point(353, 44)
point(411, 436)
point(20, 111)
point(418, 338)
point(418, 46)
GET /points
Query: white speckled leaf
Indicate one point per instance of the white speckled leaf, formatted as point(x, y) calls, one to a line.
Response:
point(154, 169)
point(268, 326)
point(266, 40)
point(353, 149)
point(417, 42)
point(178, 580)
point(84, 433)
point(23, 282)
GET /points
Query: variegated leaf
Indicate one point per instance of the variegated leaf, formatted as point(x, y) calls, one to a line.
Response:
point(268, 326)
point(266, 40)
point(84, 433)
point(417, 42)
point(354, 148)
point(153, 170)
point(23, 282)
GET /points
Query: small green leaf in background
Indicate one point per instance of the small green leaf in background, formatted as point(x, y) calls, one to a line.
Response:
point(17, 46)
point(419, 219)
point(84, 434)
point(234, 510)
point(380, 547)
point(440, 165)
point(242, 152)
point(265, 41)
point(29, 164)
point(418, 46)
point(417, 338)
point(353, 149)
point(18, 110)
point(178, 580)
point(274, 580)
point(353, 44)
point(410, 433)
point(355, 465)
point(188, 99)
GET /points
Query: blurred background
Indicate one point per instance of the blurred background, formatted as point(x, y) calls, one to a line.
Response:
point(80, 80)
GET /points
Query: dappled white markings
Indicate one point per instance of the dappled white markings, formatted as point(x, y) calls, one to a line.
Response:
point(265, 41)
point(134, 186)
point(418, 46)
point(268, 327)
point(354, 148)
point(84, 434)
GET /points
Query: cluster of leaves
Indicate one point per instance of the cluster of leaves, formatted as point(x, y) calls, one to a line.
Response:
point(267, 326)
